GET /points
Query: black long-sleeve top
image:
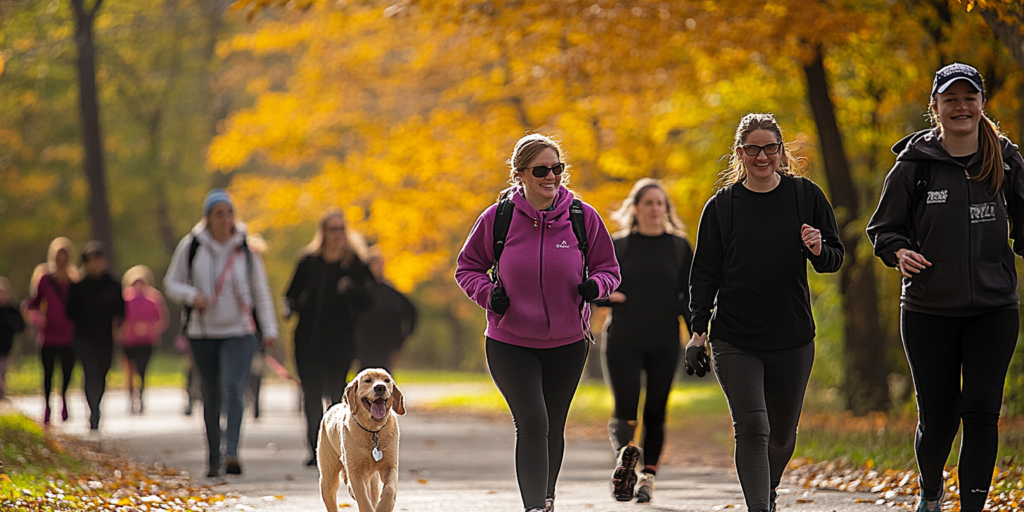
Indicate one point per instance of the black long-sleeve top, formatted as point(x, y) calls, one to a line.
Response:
point(11, 323)
point(386, 325)
point(757, 284)
point(94, 303)
point(328, 305)
point(655, 283)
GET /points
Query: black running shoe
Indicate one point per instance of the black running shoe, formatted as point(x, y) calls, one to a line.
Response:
point(232, 466)
point(624, 478)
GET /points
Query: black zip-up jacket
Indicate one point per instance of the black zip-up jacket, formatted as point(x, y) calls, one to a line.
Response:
point(94, 303)
point(959, 226)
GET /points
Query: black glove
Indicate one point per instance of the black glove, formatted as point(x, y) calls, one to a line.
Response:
point(695, 360)
point(588, 290)
point(499, 302)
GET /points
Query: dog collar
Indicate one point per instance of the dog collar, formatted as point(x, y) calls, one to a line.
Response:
point(377, 454)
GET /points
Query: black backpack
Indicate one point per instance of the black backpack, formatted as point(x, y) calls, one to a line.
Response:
point(503, 219)
point(804, 207)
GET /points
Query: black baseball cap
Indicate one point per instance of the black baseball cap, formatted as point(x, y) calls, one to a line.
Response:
point(954, 72)
point(93, 248)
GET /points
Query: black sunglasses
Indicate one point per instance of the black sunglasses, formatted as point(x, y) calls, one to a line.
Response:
point(541, 171)
point(754, 149)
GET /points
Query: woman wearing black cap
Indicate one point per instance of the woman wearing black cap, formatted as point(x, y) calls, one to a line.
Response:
point(959, 304)
point(95, 304)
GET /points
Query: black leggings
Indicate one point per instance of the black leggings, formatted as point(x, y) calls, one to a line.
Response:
point(624, 365)
point(765, 390)
point(538, 385)
point(96, 357)
point(49, 355)
point(139, 356)
point(943, 350)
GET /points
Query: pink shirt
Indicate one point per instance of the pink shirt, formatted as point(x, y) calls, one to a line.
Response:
point(145, 317)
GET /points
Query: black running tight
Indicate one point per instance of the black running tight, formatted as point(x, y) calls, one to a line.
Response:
point(538, 385)
point(765, 390)
point(49, 356)
point(624, 366)
point(959, 366)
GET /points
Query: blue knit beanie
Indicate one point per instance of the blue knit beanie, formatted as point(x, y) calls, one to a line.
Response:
point(217, 195)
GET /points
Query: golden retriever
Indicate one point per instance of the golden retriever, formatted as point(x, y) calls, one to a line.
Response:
point(359, 443)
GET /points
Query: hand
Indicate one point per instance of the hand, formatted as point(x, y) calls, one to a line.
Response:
point(911, 262)
point(589, 290)
point(618, 297)
point(269, 341)
point(344, 284)
point(695, 360)
point(498, 302)
point(200, 302)
point(811, 238)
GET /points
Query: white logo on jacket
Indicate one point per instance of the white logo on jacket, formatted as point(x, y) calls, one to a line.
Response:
point(562, 245)
point(936, 196)
point(983, 212)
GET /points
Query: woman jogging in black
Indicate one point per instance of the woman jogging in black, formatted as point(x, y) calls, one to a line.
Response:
point(643, 337)
point(754, 239)
point(959, 304)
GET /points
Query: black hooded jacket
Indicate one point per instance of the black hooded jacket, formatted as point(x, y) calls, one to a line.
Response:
point(959, 226)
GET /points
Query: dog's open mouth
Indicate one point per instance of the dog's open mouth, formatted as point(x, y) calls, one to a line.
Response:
point(378, 408)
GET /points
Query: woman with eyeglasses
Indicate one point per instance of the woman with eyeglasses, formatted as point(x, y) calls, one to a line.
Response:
point(942, 221)
point(643, 337)
point(537, 302)
point(330, 289)
point(755, 236)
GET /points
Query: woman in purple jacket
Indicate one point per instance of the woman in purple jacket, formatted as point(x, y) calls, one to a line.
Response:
point(538, 305)
point(50, 284)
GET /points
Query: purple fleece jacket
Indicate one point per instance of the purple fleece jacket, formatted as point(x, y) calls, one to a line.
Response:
point(540, 269)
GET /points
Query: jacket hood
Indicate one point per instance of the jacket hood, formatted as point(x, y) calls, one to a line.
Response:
point(563, 199)
point(925, 145)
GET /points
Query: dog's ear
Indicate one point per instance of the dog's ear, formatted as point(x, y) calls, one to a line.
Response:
point(397, 399)
point(350, 392)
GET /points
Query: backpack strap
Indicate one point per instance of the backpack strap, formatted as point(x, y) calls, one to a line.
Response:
point(723, 207)
point(804, 200)
point(502, 221)
point(193, 248)
point(579, 228)
point(922, 179)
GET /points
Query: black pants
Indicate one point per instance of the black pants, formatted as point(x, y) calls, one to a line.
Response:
point(538, 386)
point(96, 356)
point(139, 356)
point(624, 365)
point(49, 355)
point(323, 375)
point(959, 367)
point(765, 390)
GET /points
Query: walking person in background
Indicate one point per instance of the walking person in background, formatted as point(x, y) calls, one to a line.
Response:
point(47, 310)
point(330, 288)
point(224, 287)
point(96, 307)
point(385, 327)
point(145, 319)
point(959, 305)
point(643, 337)
point(749, 279)
point(11, 323)
point(555, 258)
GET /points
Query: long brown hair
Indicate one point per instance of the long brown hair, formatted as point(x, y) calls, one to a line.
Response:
point(788, 163)
point(626, 214)
point(988, 144)
point(528, 148)
point(355, 247)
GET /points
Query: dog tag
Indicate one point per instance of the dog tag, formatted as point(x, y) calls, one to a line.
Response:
point(377, 454)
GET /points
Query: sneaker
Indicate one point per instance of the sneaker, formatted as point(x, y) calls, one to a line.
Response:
point(624, 478)
point(771, 500)
point(232, 466)
point(646, 490)
point(549, 504)
point(922, 505)
point(311, 461)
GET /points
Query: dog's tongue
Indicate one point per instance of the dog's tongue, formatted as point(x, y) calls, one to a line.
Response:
point(378, 409)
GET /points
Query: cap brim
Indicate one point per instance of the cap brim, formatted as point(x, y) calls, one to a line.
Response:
point(942, 88)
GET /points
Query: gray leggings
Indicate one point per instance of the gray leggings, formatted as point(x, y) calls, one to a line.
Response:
point(538, 384)
point(765, 390)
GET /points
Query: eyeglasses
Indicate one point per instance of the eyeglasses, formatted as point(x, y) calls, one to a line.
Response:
point(754, 149)
point(540, 171)
point(334, 229)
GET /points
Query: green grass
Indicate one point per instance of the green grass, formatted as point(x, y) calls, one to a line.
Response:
point(25, 377)
point(30, 459)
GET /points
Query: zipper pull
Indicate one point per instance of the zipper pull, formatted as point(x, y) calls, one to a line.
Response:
point(535, 225)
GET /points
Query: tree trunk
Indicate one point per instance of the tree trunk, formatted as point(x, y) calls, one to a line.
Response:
point(865, 352)
point(92, 140)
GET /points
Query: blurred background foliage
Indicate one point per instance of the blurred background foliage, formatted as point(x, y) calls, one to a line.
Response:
point(403, 113)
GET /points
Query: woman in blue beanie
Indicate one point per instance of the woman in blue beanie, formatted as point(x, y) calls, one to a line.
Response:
point(223, 285)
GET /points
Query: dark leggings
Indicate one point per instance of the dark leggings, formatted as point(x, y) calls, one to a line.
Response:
point(139, 356)
point(765, 390)
point(538, 385)
point(943, 350)
point(96, 357)
point(49, 355)
point(322, 376)
point(624, 365)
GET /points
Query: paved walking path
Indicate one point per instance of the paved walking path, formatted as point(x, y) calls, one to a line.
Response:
point(448, 461)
